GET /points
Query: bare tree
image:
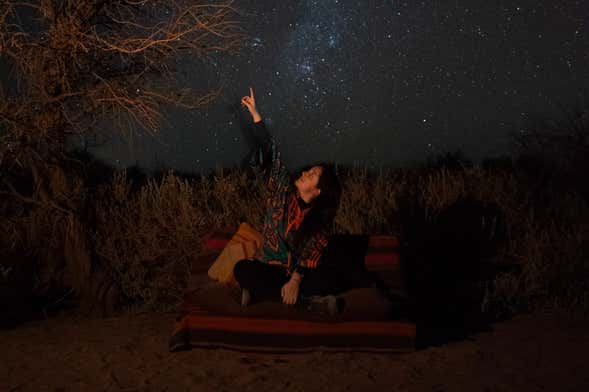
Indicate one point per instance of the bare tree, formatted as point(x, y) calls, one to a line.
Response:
point(77, 62)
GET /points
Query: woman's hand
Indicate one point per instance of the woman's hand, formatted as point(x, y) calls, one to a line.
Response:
point(290, 291)
point(250, 103)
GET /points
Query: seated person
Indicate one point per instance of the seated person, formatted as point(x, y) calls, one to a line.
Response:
point(299, 216)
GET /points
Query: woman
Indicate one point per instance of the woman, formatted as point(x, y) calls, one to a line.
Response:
point(300, 212)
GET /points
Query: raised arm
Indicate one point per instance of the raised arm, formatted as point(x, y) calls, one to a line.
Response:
point(249, 101)
point(265, 159)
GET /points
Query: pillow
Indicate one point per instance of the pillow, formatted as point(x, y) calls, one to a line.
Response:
point(217, 240)
point(382, 252)
point(246, 243)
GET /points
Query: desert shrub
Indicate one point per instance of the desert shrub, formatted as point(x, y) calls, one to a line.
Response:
point(146, 232)
point(148, 239)
point(541, 257)
point(369, 201)
point(148, 236)
point(229, 197)
point(553, 261)
point(39, 227)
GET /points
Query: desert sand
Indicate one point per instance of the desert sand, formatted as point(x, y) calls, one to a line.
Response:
point(539, 352)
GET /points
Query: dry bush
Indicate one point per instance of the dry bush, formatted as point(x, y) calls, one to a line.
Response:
point(45, 228)
point(369, 202)
point(228, 198)
point(148, 239)
point(441, 188)
point(547, 236)
point(553, 259)
point(149, 235)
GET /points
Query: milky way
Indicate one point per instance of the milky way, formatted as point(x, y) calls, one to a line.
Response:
point(379, 82)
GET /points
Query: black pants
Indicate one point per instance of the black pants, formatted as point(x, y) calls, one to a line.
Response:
point(264, 281)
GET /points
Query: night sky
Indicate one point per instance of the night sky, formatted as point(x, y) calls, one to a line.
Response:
point(382, 83)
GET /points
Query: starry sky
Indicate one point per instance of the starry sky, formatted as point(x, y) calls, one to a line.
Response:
point(379, 83)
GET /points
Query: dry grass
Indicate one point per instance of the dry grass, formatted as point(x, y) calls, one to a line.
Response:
point(149, 238)
point(44, 227)
point(150, 235)
point(146, 235)
point(368, 201)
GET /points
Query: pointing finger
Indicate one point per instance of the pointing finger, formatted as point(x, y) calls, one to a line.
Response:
point(251, 93)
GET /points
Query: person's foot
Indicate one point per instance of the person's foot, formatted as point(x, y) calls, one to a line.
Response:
point(328, 304)
point(245, 298)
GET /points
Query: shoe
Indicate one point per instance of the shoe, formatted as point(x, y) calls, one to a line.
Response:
point(328, 304)
point(245, 298)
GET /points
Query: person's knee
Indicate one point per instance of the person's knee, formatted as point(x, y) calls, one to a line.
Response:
point(239, 268)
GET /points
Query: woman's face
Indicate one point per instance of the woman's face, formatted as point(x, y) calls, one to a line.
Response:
point(307, 182)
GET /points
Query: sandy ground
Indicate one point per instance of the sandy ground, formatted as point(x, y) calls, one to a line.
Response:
point(528, 353)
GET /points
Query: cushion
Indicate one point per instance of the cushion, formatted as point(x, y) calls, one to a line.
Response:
point(246, 243)
point(383, 250)
point(211, 316)
point(217, 240)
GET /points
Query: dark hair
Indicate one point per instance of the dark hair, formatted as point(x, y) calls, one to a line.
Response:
point(323, 207)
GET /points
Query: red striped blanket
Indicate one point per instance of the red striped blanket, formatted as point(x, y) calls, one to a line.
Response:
point(211, 317)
